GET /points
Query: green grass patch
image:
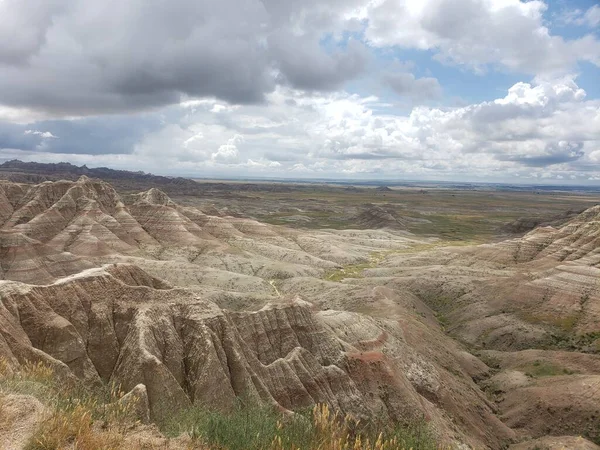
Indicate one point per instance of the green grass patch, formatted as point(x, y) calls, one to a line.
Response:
point(564, 324)
point(375, 258)
point(587, 342)
point(253, 427)
point(539, 369)
point(356, 270)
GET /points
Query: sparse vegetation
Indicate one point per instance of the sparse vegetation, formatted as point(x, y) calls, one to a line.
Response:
point(540, 369)
point(257, 428)
point(368, 340)
point(564, 324)
point(84, 419)
point(587, 342)
point(451, 214)
point(375, 259)
point(77, 417)
point(355, 270)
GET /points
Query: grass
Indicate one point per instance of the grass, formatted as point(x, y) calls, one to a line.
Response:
point(565, 324)
point(453, 214)
point(540, 369)
point(260, 428)
point(75, 428)
point(442, 320)
point(455, 227)
point(318, 220)
point(355, 270)
point(86, 419)
point(375, 258)
point(590, 340)
point(586, 342)
point(348, 271)
point(78, 417)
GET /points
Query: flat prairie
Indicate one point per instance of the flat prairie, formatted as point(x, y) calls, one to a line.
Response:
point(474, 213)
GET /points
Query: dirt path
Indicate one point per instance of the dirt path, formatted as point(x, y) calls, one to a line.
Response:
point(272, 283)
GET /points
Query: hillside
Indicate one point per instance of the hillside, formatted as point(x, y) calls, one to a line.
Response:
point(200, 308)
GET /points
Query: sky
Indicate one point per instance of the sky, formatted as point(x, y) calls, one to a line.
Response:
point(448, 90)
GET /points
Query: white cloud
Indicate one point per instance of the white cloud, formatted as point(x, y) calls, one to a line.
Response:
point(545, 128)
point(83, 58)
point(510, 34)
point(21, 115)
point(590, 17)
point(228, 153)
point(56, 56)
point(42, 134)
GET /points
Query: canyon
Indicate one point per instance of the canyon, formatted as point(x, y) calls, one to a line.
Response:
point(493, 344)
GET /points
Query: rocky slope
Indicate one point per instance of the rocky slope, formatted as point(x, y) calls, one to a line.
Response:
point(119, 324)
point(34, 172)
point(58, 228)
point(540, 292)
point(375, 217)
point(199, 308)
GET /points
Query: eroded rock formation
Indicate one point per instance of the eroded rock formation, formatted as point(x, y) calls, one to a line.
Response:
point(185, 307)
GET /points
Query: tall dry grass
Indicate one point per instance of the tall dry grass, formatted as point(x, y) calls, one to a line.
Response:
point(252, 427)
point(77, 417)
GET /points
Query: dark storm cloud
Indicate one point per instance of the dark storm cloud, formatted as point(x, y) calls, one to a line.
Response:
point(117, 56)
point(89, 57)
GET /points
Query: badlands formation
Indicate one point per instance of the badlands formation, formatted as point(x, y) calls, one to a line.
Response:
point(493, 345)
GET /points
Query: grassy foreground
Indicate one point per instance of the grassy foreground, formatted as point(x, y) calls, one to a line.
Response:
point(75, 417)
point(80, 418)
point(319, 428)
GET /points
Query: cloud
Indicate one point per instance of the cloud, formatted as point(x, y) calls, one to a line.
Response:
point(509, 34)
point(65, 58)
point(85, 57)
point(547, 154)
point(304, 65)
point(544, 127)
point(23, 28)
point(87, 136)
point(590, 17)
point(153, 53)
point(42, 134)
point(259, 86)
point(228, 153)
point(418, 89)
point(14, 136)
point(541, 129)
